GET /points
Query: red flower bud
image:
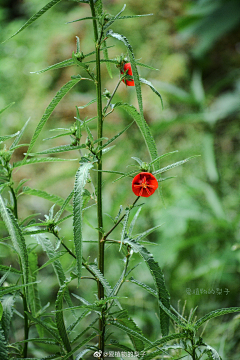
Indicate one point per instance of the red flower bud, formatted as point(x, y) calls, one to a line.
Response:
point(144, 184)
point(126, 67)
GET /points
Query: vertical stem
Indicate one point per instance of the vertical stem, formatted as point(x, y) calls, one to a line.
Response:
point(99, 179)
point(26, 327)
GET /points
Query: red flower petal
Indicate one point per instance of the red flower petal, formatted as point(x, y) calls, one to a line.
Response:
point(126, 67)
point(144, 184)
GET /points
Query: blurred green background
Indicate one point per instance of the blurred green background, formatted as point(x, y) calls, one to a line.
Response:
point(196, 47)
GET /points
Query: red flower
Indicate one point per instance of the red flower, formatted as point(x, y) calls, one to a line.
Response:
point(126, 67)
point(144, 184)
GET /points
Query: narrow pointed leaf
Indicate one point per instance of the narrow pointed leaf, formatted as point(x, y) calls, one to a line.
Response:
point(143, 127)
point(60, 321)
point(162, 156)
point(214, 314)
point(158, 278)
point(102, 279)
point(62, 64)
point(130, 332)
point(35, 17)
point(16, 237)
point(164, 340)
point(43, 194)
point(6, 107)
point(145, 287)
point(3, 345)
point(6, 137)
point(39, 160)
point(115, 137)
point(18, 137)
point(80, 181)
point(50, 251)
point(58, 97)
point(63, 207)
point(169, 167)
point(134, 221)
point(85, 341)
point(44, 325)
point(8, 303)
point(147, 232)
point(110, 22)
point(59, 149)
point(144, 81)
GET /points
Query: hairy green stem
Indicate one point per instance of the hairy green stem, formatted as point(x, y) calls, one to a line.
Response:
point(26, 326)
point(99, 179)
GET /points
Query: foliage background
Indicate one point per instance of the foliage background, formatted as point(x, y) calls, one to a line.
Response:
point(196, 47)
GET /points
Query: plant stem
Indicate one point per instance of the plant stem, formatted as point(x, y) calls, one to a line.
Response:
point(117, 223)
point(26, 327)
point(111, 97)
point(99, 179)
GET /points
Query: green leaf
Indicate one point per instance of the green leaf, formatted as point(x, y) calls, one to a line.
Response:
point(35, 17)
point(63, 207)
point(16, 237)
point(105, 54)
point(6, 107)
point(50, 251)
point(158, 277)
point(39, 160)
point(3, 346)
point(10, 268)
point(164, 340)
point(18, 137)
point(212, 353)
point(11, 289)
point(34, 298)
point(45, 326)
point(144, 81)
point(7, 307)
point(43, 194)
point(60, 321)
point(62, 64)
point(133, 222)
point(4, 277)
point(6, 137)
point(57, 256)
point(58, 97)
point(80, 181)
point(146, 233)
point(129, 331)
point(110, 22)
point(101, 278)
point(115, 137)
point(89, 103)
point(144, 286)
point(169, 167)
point(214, 314)
point(89, 338)
point(162, 156)
point(127, 321)
point(85, 18)
point(58, 149)
point(1, 311)
point(143, 127)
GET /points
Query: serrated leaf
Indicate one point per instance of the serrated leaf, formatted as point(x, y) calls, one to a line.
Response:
point(45, 326)
point(39, 160)
point(212, 353)
point(58, 149)
point(158, 278)
point(6, 107)
point(144, 81)
point(18, 137)
point(16, 237)
point(35, 17)
point(43, 194)
point(7, 307)
point(145, 287)
point(63, 207)
point(1, 311)
point(146, 233)
point(80, 181)
point(50, 251)
point(130, 230)
point(85, 341)
point(34, 298)
point(101, 278)
point(178, 163)
point(6, 137)
point(4, 277)
point(57, 98)
point(214, 314)
point(89, 103)
point(115, 137)
point(130, 332)
point(62, 64)
point(3, 345)
point(57, 256)
point(137, 342)
point(162, 156)
point(10, 289)
point(143, 127)
point(60, 321)
point(164, 340)
point(10, 268)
